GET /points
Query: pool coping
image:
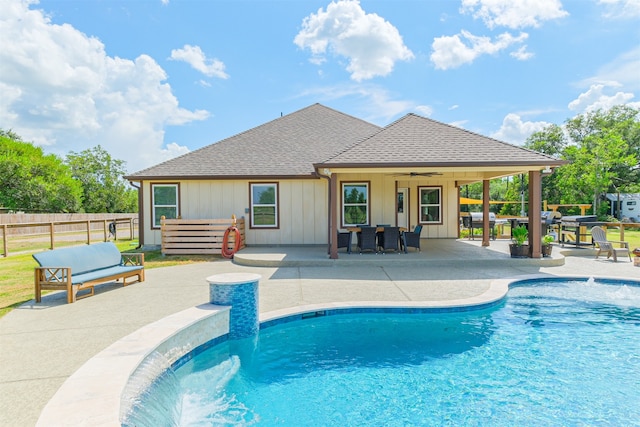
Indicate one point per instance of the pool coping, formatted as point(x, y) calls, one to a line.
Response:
point(92, 395)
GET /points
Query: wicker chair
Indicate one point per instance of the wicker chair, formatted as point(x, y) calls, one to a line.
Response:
point(367, 239)
point(388, 240)
point(344, 240)
point(412, 238)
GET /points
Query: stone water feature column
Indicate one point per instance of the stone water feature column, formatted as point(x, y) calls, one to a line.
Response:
point(240, 291)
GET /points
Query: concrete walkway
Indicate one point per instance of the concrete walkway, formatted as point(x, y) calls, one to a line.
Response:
point(41, 345)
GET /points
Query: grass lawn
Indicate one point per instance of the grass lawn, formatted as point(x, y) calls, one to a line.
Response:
point(630, 236)
point(16, 271)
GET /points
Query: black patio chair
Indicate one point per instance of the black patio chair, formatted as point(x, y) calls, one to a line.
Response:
point(367, 239)
point(389, 239)
point(412, 238)
point(344, 240)
point(379, 236)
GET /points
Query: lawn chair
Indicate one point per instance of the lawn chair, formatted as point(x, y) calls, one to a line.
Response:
point(412, 238)
point(599, 237)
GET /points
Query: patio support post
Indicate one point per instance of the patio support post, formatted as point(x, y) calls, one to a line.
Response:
point(535, 214)
point(485, 213)
point(333, 216)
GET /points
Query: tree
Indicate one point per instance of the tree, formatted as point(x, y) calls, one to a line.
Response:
point(33, 181)
point(603, 150)
point(103, 188)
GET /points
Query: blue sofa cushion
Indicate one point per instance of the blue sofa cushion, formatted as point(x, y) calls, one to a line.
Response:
point(77, 279)
point(81, 259)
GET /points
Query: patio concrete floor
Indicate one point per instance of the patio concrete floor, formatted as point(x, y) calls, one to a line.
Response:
point(41, 345)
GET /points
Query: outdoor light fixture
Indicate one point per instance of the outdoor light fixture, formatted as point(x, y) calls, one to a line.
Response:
point(327, 172)
point(547, 170)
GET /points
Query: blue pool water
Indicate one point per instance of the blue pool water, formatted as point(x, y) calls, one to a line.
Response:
point(553, 353)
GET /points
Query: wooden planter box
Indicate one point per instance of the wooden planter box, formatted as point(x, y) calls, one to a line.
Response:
point(521, 251)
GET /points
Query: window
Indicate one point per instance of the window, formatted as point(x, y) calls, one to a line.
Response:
point(264, 205)
point(430, 205)
point(164, 202)
point(355, 203)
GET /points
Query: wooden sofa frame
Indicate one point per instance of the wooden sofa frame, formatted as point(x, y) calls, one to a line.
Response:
point(62, 278)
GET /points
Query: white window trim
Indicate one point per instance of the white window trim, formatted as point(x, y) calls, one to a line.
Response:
point(275, 205)
point(154, 206)
point(421, 205)
point(343, 205)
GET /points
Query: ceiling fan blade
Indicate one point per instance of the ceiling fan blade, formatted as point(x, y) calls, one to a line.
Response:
point(426, 174)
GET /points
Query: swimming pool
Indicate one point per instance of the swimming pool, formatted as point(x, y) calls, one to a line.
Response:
point(552, 353)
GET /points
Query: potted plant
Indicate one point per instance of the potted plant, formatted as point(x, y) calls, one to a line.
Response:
point(546, 244)
point(518, 248)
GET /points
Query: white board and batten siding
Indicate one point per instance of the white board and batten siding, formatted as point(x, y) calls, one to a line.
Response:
point(383, 201)
point(302, 209)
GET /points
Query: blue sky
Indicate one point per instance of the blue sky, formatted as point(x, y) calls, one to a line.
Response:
point(152, 79)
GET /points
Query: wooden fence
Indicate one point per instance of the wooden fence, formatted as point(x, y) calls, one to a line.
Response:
point(96, 227)
point(198, 236)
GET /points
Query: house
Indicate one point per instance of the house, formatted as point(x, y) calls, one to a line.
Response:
point(302, 177)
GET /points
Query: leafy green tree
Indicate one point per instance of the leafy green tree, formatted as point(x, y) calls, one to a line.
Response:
point(104, 190)
point(33, 181)
point(603, 150)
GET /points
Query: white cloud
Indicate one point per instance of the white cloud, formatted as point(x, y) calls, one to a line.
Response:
point(621, 9)
point(595, 98)
point(378, 105)
point(459, 123)
point(515, 131)
point(623, 70)
point(371, 44)
point(173, 150)
point(61, 90)
point(521, 54)
point(424, 110)
point(195, 57)
point(514, 14)
point(454, 51)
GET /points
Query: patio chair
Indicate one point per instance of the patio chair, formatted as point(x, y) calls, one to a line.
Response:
point(412, 238)
point(379, 235)
point(599, 236)
point(389, 238)
point(344, 240)
point(367, 239)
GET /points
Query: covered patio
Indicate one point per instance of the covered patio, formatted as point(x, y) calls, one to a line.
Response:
point(410, 173)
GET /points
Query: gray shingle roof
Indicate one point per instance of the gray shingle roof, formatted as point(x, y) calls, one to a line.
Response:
point(284, 147)
point(292, 145)
point(417, 141)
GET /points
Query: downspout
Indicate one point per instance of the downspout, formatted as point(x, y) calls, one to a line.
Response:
point(140, 215)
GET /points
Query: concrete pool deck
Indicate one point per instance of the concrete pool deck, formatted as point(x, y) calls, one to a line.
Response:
point(42, 345)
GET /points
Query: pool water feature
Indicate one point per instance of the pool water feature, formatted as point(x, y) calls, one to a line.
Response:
point(553, 353)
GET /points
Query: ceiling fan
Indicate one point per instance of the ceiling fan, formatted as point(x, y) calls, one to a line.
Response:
point(427, 174)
